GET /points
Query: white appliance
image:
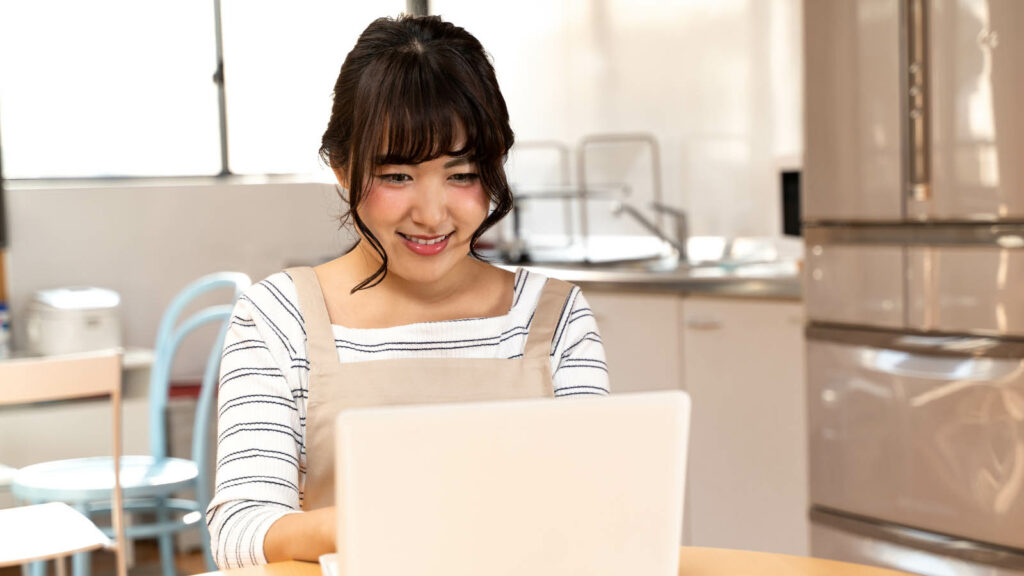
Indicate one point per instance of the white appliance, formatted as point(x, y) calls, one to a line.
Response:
point(914, 229)
point(74, 319)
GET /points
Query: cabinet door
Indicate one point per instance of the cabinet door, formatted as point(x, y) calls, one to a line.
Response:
point(853, 142)
point(641, 339)
point(744, 370)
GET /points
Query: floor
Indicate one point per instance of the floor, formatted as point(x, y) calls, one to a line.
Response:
point(147, 563)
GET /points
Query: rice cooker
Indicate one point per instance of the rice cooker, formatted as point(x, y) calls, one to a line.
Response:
point(73, 319)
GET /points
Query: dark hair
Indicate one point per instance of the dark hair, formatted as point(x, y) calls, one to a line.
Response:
point(417, 84)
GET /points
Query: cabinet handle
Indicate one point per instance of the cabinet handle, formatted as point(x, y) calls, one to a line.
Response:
point(703, 324)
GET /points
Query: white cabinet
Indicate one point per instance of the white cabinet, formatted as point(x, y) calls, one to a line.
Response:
point(641, 338)
point(744, 369)
point(742, 361)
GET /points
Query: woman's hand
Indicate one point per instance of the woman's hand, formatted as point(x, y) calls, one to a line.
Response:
point(302, 536)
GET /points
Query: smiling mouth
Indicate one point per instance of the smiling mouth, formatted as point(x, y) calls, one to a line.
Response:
point(426, 241)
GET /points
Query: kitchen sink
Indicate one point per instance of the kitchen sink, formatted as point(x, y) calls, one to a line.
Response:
point(641, 254)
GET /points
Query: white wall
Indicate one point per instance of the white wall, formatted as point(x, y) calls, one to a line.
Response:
point(718, 82)
point(147, 242)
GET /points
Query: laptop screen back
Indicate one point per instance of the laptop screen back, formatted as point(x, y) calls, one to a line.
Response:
point(542, 487)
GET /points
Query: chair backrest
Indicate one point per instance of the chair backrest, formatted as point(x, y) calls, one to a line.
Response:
point(171, 332)
point(69, 377)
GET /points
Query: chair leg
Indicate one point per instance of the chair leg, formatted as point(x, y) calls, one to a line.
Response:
point(204, 540)
point(166, 543)
point(34, 568)
point(81, 563)
point(37, 569)
point(60, 564)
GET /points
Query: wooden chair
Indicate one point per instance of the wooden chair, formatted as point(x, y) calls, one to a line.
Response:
point(52, 531)
point(153, 483)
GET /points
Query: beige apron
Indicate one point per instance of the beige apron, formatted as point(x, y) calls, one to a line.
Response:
point(334, 385)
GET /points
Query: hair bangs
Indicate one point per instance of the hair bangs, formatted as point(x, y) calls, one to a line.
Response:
point(412, 137)
point(426, 116)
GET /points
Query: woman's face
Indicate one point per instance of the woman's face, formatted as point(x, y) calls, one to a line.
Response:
point(424, 215)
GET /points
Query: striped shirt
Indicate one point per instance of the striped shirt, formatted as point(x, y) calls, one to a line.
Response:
point(261, 425)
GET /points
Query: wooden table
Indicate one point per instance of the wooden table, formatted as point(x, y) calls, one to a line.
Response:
point(692, 562)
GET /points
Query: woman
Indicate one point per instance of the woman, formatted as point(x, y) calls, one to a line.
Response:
point(418, 136)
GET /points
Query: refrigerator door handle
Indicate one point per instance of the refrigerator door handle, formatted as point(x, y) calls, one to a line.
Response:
point(976, 552)
point(917, 110)
point(956, 346)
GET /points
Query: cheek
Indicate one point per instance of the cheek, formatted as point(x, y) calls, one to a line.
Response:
point(382, 206)
point(470, 203)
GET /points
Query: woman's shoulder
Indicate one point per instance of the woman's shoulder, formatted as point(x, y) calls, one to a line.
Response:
point(529, 284)
point(272, 300)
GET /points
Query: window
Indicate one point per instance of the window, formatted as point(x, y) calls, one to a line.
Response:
point(281, 61)
point(125, 88)
point(108, 88)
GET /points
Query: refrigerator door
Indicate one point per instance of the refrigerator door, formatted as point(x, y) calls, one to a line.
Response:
point(856, 284)
point(920, 431)
point(852, 150)
point(966, 289)
point(976, 121)
point(860, 541)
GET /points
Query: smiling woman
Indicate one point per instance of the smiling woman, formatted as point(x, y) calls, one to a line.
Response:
point(417, 138)
point(434, 95)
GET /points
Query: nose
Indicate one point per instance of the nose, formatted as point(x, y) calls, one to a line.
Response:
point(430, 207)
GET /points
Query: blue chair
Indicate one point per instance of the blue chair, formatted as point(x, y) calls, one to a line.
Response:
point(151, 482)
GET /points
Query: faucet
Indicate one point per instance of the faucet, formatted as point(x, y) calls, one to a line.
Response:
point(590, 140)
point(681, 232)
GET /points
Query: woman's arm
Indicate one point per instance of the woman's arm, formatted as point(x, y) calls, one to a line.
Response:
point(259, 439)
point(302, 536)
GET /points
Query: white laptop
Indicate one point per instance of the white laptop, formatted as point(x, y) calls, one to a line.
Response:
point(590, 486)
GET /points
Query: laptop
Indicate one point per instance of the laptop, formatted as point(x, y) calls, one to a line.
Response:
point(543, 487)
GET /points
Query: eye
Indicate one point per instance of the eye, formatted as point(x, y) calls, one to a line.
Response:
point(394, 178)
point(465, 178)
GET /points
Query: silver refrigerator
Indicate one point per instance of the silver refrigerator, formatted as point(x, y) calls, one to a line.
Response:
point(913, 214)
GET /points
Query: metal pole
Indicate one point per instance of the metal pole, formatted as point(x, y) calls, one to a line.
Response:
point(218, 78)
point(417, 7)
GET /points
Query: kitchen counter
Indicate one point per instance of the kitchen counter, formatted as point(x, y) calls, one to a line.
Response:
point(774, 280)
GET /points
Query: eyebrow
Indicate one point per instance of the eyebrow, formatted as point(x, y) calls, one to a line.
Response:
point(457, 161)
point(390, 160)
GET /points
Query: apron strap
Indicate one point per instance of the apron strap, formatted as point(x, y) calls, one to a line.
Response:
point(319, 335)
point(553, 300)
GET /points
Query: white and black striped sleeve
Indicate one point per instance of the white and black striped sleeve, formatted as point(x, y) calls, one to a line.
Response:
point(578, 363)
point(259, 437)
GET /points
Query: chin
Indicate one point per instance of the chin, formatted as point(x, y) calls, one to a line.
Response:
point(426, 272)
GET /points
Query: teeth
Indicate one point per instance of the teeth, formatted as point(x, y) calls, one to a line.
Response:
point(425, 242)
